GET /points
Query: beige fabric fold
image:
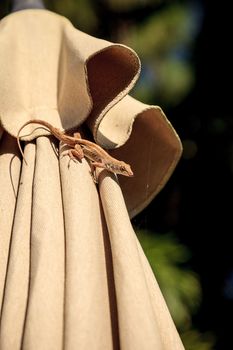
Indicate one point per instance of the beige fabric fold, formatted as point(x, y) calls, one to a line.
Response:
point(52, 71)
point(9, 180)
point(47, 254)
point(144, 321)
point(57, 73)
point(87, 319)
point(148, 143)
point(76, 277)
point(72, 273)
point(14, 303)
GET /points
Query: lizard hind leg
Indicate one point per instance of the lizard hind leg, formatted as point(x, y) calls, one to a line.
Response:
point(78, 151)
point(74, 155)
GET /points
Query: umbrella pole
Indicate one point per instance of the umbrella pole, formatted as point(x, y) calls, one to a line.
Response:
point(18, 5)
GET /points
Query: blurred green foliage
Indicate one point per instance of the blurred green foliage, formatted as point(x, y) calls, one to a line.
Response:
point(80, 12)
point(180, 286)
point(194, 340)
point(161, 32)
point(162, 42)
point(163, 39)
point(124, 5)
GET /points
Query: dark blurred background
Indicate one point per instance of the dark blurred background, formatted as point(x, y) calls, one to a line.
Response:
point(185, 49)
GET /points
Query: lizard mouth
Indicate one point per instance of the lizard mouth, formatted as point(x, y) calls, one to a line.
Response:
point(129, 173)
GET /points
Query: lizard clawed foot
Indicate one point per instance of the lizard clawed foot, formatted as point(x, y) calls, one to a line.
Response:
point(92, 171)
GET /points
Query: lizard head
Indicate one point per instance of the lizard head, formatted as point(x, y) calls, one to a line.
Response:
point(122, 168)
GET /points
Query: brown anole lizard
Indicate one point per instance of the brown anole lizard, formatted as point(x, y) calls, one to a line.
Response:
point(80, 148)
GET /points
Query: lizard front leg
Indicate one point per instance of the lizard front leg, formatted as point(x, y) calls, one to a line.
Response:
point(78, 152)
point(93, 170)
point(99, 165)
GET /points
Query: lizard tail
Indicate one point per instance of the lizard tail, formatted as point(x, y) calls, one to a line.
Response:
point(20, 148)
point(36, 121)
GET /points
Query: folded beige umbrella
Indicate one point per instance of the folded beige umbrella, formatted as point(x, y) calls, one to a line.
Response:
point(72, 273)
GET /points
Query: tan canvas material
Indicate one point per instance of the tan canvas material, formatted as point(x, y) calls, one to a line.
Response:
point(72, 273)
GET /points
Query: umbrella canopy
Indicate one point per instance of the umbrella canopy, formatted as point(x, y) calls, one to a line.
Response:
point(72, 273)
